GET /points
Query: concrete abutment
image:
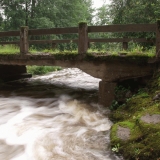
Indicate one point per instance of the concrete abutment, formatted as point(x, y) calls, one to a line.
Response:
point(13, 72)
point(106, 93)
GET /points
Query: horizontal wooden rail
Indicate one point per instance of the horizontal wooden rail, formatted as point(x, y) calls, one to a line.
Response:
point(52, 41)
point(123, 40)
point(11, 42)
point(91, 29)
point(9, 33)
point(123, 28)
point(70, 30)
point(83, 39)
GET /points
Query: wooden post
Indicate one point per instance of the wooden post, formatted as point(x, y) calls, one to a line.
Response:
point(83, 38)
point(125, 45)
point(53, 45)
point(158, 39)
point(24, 44)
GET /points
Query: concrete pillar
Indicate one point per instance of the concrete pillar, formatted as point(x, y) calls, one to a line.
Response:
point(106, 93)
point(13, 72)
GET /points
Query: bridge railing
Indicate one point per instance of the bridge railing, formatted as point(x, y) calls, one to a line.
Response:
point(83, 39)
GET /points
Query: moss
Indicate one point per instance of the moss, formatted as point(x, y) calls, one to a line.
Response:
point(133, 107)
point(144, 139)
point(65, 56)
point(135, 131)
point(139, 58)
point(149, 128)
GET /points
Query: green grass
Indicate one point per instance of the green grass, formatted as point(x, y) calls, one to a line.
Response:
point(134, 50)
point(9, 49)
point(39, 70)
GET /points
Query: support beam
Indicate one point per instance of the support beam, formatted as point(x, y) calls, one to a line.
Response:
point(24, 44)
point(106, 93)
point(83, 38)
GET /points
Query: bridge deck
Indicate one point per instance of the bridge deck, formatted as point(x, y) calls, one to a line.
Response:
point(108, 68)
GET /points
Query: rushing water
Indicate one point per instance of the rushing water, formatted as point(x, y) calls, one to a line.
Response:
point(54, 117)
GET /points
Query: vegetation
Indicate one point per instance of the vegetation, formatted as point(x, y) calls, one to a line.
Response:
point(44, 14)
point(9, 49)
point(135, 55)
point(57, 13)
point(39, 70)
point(127, 12)
point(144, 138)
point(143, 142)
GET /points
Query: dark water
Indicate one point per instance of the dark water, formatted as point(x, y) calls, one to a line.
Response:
point(54, 117)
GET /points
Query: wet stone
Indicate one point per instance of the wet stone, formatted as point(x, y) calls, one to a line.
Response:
point(155, 118)
point(123, 133)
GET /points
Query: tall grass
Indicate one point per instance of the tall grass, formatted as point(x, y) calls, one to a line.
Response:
point(9, 49)
point(109, 48)
point(116, 49)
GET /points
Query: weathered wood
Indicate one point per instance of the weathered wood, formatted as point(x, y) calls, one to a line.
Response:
point(83, 30)
point(52, 41)
point(158, 39)
point(123, 28)
point(152, 40)
point(69, 30)
point(24, 45)
point(11, 42)
point(9, 33)
point(83, 38)
point(53, 45)
point(125, 45)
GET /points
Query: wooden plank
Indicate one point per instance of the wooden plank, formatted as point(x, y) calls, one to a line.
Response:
point(69, 30)
point(11, 42)
point(122, 40)
point(83, 38)
point(9, 33)
point(123, 28)
point(125, 45)
point(52, 41)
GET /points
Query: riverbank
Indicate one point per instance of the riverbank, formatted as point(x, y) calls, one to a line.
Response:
point(136, 130)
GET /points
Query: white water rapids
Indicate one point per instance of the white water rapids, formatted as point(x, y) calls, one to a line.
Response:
point(54, 117)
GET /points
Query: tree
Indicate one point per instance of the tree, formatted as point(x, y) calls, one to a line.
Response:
point(45, 13)
point(102, 16)
point(134, 11)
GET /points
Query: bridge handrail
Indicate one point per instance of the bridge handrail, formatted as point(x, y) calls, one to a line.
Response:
point(9, 33)
point(91, 29)
point(82, 32)
point(123, 28)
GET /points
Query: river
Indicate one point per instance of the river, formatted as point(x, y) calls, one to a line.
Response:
point(54, 117)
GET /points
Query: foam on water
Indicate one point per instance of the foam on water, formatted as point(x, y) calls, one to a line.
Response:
point(60, 128)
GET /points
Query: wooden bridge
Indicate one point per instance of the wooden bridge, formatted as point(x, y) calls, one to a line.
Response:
point(110, 70)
